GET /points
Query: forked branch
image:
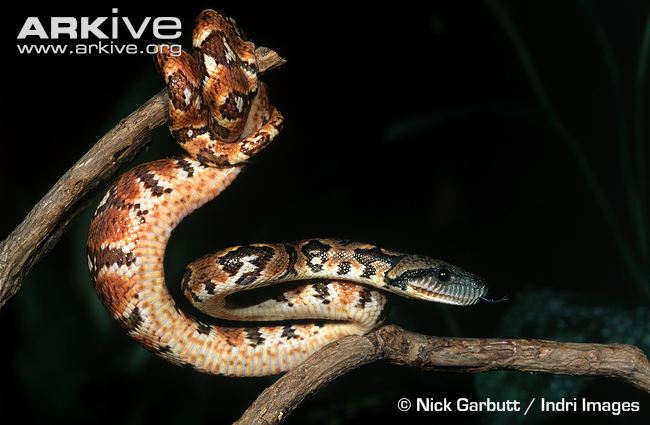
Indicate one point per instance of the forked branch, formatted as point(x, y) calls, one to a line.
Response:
point(54, 213)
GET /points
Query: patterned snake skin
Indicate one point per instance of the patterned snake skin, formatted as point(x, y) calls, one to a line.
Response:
point(220, 114)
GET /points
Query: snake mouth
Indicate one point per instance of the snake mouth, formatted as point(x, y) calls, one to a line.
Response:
point(458, 295)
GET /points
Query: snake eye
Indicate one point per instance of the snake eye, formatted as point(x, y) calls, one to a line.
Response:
point(443, 274)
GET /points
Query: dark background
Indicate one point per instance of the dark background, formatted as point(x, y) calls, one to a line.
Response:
point(450, 129)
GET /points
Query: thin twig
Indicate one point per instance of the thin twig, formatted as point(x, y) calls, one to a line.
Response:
point(53, 214)
point(391, 343)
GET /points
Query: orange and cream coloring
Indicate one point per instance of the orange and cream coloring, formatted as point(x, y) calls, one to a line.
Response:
point(220, 114)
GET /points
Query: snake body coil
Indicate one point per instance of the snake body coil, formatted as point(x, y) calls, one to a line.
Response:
point(221, 115)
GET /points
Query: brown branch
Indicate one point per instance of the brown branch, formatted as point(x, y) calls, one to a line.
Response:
point(624, 362)
point(53, 214)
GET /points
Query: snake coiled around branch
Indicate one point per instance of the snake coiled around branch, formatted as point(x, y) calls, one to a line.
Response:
point(221, 115)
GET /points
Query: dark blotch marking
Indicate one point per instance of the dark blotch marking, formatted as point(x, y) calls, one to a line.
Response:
point(109, 256)
point(162, 349)
point(322, 292)
point(250, 67)
point(213, 46)
point(203, 328)
point(114, 201)
point(133, 321)
point(402, 280)
point(281, 298)
point(368, 256)
point(185, 166)
point(315, 249)
point(180, 135)
point(185, 285)
point(253, 145)
point(254, 336)
point(177, 83)
point(210, 287)
point(365, 297)
point(185, 282)
point(232, 335)
point(292, 253)
point(233, 261)
point(206, 156)
point(289, 332)
point(229, 110)
point(141, 214)
point(218, 131)
point(344, 268)
point(150, 182)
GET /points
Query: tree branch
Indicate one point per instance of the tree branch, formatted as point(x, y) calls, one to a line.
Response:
point(72, 194)
point(54, 213)
point(624, 362)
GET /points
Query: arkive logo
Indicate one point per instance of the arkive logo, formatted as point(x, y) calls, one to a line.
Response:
point(102, 35)
point(101, 28)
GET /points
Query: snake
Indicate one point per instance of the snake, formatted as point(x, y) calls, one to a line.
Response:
point(220, 114)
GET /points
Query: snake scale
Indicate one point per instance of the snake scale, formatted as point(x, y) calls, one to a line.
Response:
point(221, 115)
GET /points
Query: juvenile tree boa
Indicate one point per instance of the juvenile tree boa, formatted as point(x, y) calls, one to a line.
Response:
point(220, 114)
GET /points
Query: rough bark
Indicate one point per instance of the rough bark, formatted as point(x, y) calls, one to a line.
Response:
point(53, 214)
point(391, 343)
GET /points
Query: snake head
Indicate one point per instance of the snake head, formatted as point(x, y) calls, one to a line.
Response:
point(434, 280)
